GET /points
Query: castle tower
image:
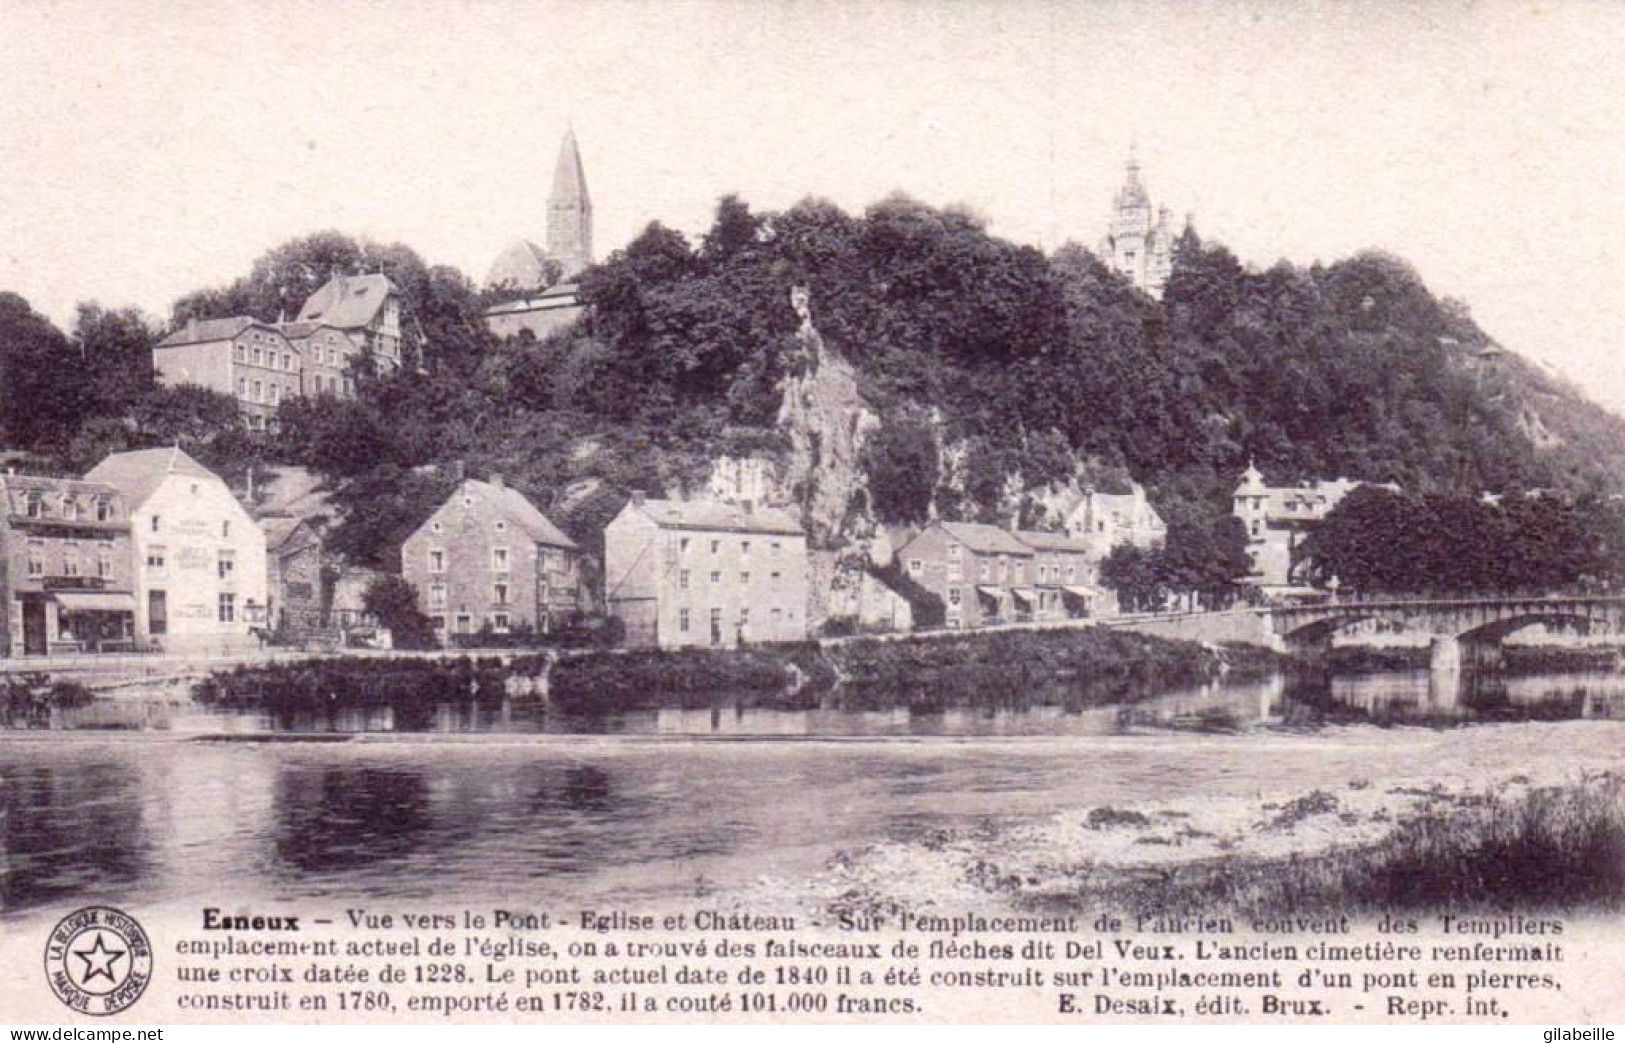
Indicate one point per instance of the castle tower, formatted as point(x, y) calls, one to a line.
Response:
point(1139, 242)
point(569, 211)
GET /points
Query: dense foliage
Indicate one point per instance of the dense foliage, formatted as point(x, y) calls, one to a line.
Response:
point(1380, 540)
point(994, 370)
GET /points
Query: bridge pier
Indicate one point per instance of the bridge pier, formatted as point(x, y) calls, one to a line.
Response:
point(1447, 654)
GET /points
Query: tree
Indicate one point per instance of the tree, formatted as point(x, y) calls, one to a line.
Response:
point(393, 601)
point(900, 460)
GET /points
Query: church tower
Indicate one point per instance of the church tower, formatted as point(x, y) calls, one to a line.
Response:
point(1139, 243)
point(569, 211)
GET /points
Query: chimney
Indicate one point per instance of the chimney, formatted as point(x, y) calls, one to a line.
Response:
point(637, 497)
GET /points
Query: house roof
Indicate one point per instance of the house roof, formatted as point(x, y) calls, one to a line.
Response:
point(204, 331)
point(14, 489)
point(985, 539)
point(511, 504)
point(1056, 541)
point(139, 473)
point(348, 301)
point(301, 330)
point(710, 515)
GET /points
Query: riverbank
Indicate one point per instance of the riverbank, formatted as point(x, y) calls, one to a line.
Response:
point(1549, 836)
point(1074, 668)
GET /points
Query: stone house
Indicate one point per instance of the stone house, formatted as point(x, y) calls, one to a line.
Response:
point(1278, 519)
point(705, 574)
point(65, 568)
point(252, 361)
point(264, 364)
point(982, 573)
point(199, 558)
point(1102, 521)
point(488, 558)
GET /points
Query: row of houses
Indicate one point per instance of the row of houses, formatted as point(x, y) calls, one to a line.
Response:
point(149, 550)
point(712, 573)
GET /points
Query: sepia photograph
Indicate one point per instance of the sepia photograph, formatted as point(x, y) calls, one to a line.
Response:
point(812, 511)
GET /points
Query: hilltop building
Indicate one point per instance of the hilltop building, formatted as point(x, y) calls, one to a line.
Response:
point(200, 563)
point(1139, 241)
point(546, 277)
point(1278, 518)
point(489, 559)
point(705, 574)
point(263, 364)
point(1102, 521)
point(65, 568)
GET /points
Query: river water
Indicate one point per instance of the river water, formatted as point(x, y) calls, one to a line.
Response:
point(137, 802)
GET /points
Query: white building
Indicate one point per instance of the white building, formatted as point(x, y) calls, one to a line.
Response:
point(1278, 519)
point(200, 561)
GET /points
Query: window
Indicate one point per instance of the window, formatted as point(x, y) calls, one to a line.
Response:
point(259, 356)
point(242, 353)
point(502, 526)
point(716, 577)
point(716, 626)
point(716, 545)
point(242, 388)
point(682, 545)
point(468, 503)
point(104, 509)
point(499, 593)
point(499, 559)
point(225, 530)
point(986, 570)
point(777, 614)
point(36, 505)
point(155, 523)
point(953, 599)
point(70, 559)
point(776, 546)
point(465, 623)
point(104, 563)
point(276, 392)
point(439, 623)
point(287, 361)
point(744, 548)
point(436, 527)
point(744, 579)
point(774, 577)
point(744, 619)
point(916, 567)
point(155, 558)
point(437, 560)
point(1071, 573)
point(227, 565)
point(437, 596)
point(228, 608)
point(36, 557)
point(499, 622)
point(157, 612)
point(682, 621)
point(259, 392)
point(682, 579)
point(70, 508)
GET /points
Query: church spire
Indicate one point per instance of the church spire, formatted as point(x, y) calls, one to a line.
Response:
point(569, 210)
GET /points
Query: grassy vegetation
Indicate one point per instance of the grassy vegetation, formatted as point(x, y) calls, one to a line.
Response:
point(1554, 847)
point(323, 684)
point(28, 699)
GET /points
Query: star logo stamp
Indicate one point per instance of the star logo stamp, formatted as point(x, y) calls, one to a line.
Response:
point(98, 960)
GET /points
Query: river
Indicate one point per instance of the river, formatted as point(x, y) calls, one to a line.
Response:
point(137, 802)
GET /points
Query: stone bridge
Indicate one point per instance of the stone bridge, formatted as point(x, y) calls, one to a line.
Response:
point(1465, 632)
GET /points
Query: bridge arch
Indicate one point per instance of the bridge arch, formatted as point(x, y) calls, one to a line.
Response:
point(1317, 633)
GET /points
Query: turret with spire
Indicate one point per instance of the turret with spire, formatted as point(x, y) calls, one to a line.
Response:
point(1139, 240)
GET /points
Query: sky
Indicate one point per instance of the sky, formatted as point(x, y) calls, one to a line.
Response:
point(150, 149)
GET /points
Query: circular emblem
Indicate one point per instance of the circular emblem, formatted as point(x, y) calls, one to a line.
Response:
point(98, 960)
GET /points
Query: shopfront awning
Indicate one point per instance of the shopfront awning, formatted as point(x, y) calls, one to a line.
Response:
point(1081, 592)
point(94, 601)
point(996, 593)
point(1027, 594)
